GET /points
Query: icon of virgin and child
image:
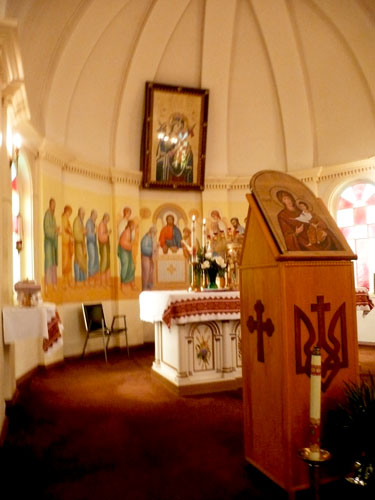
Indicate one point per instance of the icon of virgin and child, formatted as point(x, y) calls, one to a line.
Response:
point(174, 156)
point(302, 228)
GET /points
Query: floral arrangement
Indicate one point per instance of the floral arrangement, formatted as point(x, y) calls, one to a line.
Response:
point(213, 263)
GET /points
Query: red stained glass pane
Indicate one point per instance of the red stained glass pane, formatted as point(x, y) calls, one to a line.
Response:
point(344, 204)
point(346, 232)
point(358, 191)
point(371, 200)
point(14, 184)
point(360, 215)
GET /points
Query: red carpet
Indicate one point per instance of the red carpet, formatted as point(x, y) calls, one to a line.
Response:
point(85, 430)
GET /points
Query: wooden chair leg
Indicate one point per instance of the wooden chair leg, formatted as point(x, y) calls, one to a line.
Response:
point(85, 344)
point(127, 343)
point(126, 336)
point(104, 346)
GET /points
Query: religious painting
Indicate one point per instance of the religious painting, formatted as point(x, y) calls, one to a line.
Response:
point(174, 137)
point(171, 264)
point(299, 221)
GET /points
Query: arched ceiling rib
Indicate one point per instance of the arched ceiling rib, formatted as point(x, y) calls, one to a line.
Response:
point(291, 82)
point(340, 95)
point(151, 45)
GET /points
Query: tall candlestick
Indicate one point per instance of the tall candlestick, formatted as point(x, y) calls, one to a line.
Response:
point(204, 233)
point(193, 247)
point(315, 403)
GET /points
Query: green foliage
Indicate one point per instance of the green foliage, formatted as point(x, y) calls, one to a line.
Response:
point(358, 415)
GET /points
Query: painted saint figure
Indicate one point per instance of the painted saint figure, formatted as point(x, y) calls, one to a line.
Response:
point(104, 250)
point(186, 243)
point(51, 232)
point(315, 233)
point(147, 258)
point(126, 213)
point(124, 252)
point(170, 236)
point(217, 224)
point(80, 253)
point(297, 227)
point(67, 242)
point(92, 247)
point(237, 228)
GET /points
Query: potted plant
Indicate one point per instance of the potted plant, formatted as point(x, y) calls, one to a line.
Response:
point(357, 422)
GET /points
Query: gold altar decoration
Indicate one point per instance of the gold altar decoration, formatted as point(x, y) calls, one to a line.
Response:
point(215, 264)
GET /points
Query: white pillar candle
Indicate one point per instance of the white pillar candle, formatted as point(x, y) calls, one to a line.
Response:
point(20, 226)
point(204, 233)
point(193, 249)
point(315, 403)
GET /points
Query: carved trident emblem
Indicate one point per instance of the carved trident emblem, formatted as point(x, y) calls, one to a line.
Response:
point(260, 327)
point(333, 343)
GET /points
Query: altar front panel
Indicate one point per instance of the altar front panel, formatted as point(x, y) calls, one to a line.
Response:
point(197, 339)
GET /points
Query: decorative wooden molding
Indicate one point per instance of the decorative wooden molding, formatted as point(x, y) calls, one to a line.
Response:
point(110, 175)
point(324, 174)
point(228, 183)
point(134, 178)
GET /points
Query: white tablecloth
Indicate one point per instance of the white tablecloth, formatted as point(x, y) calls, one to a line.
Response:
point(363, 300)
point(27, 322)
point(186, 307)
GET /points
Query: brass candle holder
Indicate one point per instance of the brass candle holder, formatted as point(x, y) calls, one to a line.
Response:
point(195, 283)
point(314, 467)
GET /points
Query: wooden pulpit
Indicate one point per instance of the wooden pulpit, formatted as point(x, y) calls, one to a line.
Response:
point(297, 291)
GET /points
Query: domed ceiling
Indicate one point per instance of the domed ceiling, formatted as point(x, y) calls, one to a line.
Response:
point(291, 82)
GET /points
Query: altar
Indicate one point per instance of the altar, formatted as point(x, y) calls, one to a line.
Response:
point(197, 339)
point(41, 321)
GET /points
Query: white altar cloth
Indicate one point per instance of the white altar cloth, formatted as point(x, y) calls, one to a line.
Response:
point(180, 307)
point(27, 322)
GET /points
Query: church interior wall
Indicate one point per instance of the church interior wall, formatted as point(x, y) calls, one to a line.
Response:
point(106, 193)
point(227, 196)
point(270, 108)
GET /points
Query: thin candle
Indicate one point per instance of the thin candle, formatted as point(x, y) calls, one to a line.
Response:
point(193, 248)
point(315, 403)
point(204, 233)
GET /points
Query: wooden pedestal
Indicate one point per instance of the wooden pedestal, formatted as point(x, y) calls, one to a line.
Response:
point(287, 307)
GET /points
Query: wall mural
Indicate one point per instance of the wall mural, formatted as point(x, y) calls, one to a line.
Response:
point(88, 245)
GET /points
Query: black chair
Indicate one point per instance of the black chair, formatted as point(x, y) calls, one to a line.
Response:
point(95, 325)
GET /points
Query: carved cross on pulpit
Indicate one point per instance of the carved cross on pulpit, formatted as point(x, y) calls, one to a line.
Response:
point(261, 327)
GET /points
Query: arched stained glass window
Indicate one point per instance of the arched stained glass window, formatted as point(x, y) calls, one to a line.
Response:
point(22, 220)
point(356, 219)
point(16, 232)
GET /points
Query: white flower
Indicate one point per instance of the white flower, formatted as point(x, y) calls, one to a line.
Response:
point(208, 255)
point(220, 261)
point(206, 264)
